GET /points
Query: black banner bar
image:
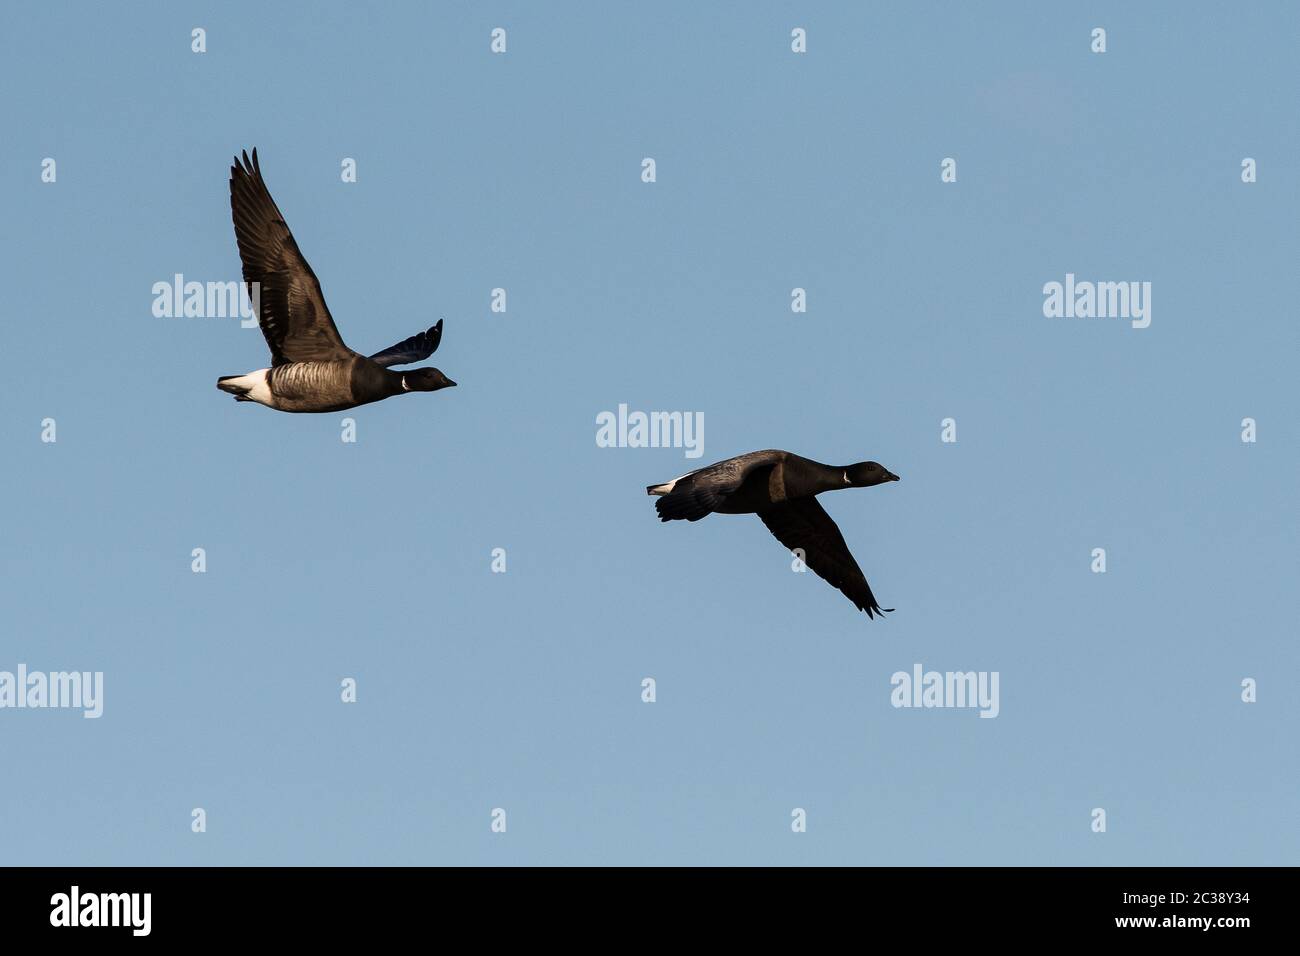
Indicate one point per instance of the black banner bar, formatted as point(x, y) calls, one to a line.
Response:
point(1171, 905)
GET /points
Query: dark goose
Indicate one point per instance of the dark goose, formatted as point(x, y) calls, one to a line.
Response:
point(311, 369)
point(781, 488)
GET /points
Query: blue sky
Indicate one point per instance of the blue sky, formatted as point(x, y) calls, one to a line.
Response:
point(522, 690)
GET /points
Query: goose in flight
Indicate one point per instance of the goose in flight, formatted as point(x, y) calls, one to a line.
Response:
point(311, 369)
point(782, 489)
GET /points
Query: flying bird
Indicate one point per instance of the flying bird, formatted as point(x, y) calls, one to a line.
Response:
point(311, 369)
point(782, 489)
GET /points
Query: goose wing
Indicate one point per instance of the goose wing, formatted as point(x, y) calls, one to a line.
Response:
point(803, 524)
point(295, 320)
point(415, 349)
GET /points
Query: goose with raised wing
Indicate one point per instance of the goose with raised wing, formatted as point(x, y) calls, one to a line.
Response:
point(311, 369)
point(782, 489)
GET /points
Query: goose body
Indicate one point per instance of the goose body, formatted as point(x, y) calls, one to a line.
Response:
point(317, 386)
point(781, 488)
point(311, 370)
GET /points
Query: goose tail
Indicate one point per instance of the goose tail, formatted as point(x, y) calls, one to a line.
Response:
point(230, 383)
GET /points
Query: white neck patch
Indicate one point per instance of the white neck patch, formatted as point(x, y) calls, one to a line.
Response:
point(846, 478)
point(405, 387)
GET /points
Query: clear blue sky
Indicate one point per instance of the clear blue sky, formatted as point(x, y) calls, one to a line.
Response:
point(522, 690)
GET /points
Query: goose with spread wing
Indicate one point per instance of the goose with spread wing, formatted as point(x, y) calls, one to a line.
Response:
point(782, 489)
point(311, 369)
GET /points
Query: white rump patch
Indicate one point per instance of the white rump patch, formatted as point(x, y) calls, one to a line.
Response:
point(259, 389)
point(667, 487)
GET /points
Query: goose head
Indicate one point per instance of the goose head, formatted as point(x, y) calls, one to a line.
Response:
point(425, 380)
point(867, 473)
